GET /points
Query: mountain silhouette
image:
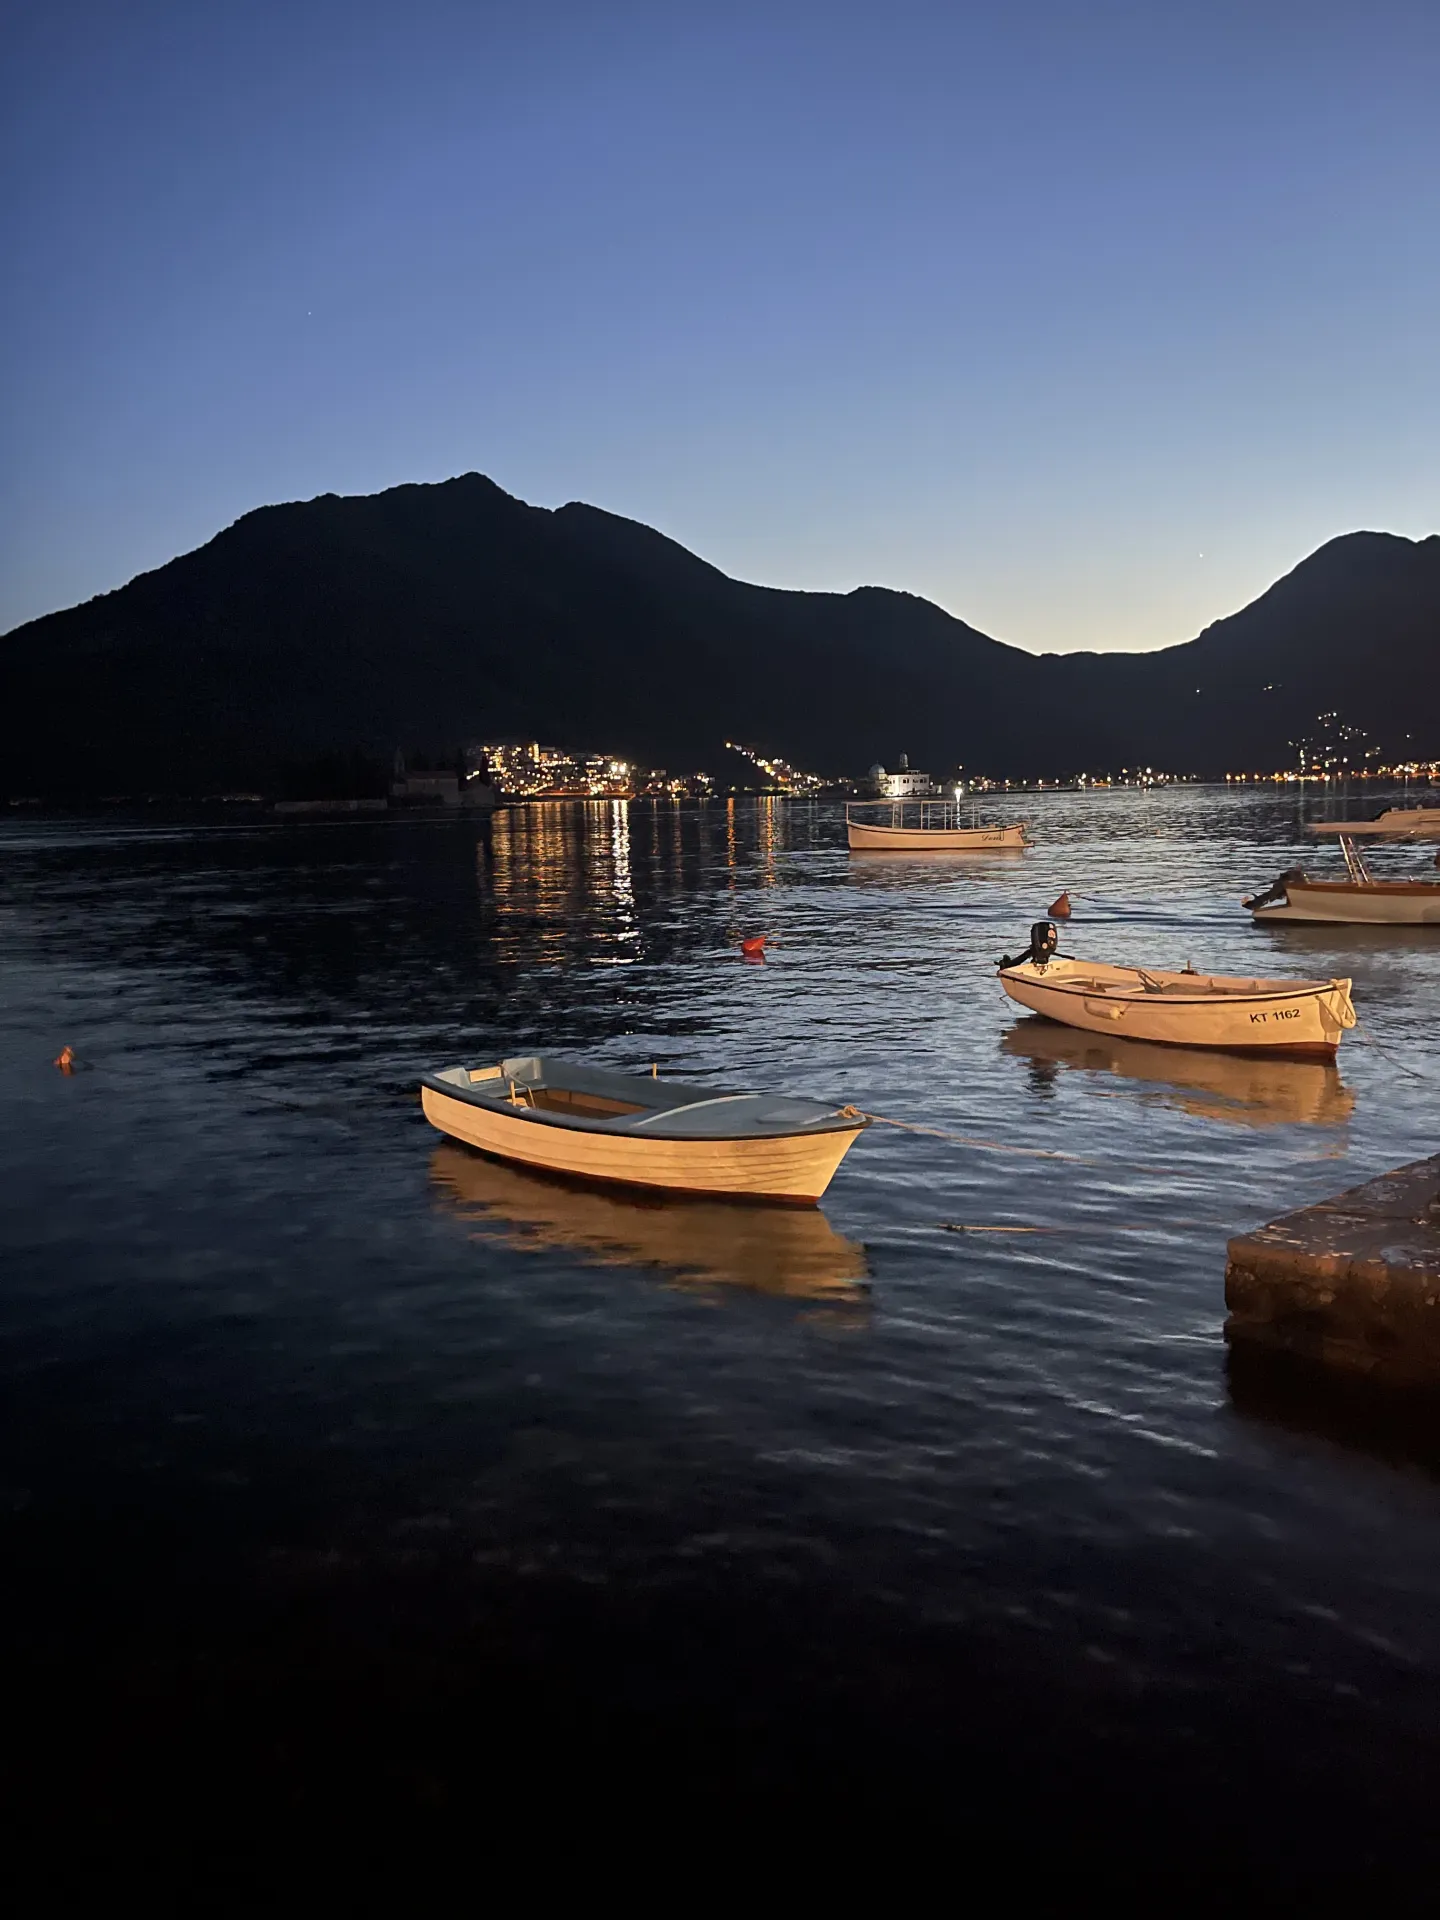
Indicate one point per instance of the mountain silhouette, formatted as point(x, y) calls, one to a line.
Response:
point(426, 616)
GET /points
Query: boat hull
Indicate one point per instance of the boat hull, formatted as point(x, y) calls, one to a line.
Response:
point(868, 839)
point(787, 1169)
point(1305, 1022)
point(1392, 903)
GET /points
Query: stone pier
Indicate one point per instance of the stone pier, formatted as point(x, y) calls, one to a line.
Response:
point(1353, 1282)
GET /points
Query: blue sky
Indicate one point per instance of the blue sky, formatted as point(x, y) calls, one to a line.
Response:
point(1086, 321)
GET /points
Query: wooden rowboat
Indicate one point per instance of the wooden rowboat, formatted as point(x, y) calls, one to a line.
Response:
point(563, 1117)
point(1186, 1009)
point(932, 827)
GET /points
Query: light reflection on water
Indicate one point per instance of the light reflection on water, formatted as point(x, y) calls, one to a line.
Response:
point(1244, 1089)
point(233, 1236)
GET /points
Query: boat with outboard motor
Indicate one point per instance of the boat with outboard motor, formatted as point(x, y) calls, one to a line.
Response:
point(1360, 899)
point(641, 1131)
point(1182, 1008)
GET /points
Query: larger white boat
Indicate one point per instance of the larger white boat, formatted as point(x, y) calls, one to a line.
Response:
point(1179, 1009)
point(1395, 823)
point(926, 826)
point(1359, 899)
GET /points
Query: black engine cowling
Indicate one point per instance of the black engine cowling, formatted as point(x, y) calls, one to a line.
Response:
point(1044, 939)
point(1277, 894)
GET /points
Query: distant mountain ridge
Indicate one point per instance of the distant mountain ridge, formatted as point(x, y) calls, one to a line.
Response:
point(431, 615)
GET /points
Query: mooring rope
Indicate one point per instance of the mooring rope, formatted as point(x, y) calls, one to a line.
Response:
point(1090, 1226)
point(1368, 1040)
point(1004, 1146)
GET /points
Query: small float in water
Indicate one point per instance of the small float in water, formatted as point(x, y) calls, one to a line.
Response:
point(925, 826)
point(640, 1131)
point(1179, 1009)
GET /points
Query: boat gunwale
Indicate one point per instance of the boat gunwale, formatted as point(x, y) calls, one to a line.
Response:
point(827, 1121)
point(1359, 886)
point(1096, 989)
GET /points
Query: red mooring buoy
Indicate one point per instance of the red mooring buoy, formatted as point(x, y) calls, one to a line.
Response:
point(754, 947)
point(1060, 909)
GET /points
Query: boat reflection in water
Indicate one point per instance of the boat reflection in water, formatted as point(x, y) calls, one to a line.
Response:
point(790, 1251)
point(1249, 1090)
point(876, 865)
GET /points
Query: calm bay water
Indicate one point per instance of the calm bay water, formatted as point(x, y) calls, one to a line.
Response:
point(340, 1459)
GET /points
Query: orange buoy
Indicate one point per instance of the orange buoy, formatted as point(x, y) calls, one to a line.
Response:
point(1060, 909)
point(65, 1060)
point(754, 948)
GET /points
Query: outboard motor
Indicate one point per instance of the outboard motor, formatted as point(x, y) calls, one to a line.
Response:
point(1044, 939)
point(1275, 895)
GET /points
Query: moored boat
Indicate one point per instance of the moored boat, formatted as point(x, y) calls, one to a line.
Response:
point(1359, 899)
point(564, 1117)
point(926, 826)
point(1180, 1009)
point(1395, 823)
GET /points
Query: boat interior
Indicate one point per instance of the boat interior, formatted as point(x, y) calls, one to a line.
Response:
point(569, 1093)
point(1092, 977)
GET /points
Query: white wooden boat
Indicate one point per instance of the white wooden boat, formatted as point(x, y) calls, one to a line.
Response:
point(781, 1250)
point(1359, 899)
point(1184, 1009)
point(564, 1117)
point(1395, 823)
point(925, 826)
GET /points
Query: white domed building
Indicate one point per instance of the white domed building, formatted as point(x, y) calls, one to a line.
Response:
point(906, 783)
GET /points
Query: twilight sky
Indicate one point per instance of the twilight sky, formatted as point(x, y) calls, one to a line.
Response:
point(1084, 319)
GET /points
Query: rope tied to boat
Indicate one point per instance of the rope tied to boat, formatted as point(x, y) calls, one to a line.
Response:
point(1071, 1227)
point(1000, 1146)
point(1369, 1040)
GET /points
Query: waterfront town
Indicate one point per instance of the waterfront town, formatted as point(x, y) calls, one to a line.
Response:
point(530, 770)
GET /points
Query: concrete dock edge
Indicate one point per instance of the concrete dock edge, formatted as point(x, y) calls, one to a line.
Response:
point(1352, 1282)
